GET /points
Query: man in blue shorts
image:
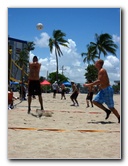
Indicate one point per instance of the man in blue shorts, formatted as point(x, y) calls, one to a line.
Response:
point(105, 95)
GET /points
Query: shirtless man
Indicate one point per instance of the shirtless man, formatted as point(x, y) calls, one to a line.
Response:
point(63, 92)
point(105, 95)
point(89, 95)
point(34, 83)
point(74, 94)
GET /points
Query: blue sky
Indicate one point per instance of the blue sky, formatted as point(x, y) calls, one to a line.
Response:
point(80, 26)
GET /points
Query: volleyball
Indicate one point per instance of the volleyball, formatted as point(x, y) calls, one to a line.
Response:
point(39, 26)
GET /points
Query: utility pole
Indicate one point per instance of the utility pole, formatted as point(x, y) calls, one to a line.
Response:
point(47, 75)
point(62, 69)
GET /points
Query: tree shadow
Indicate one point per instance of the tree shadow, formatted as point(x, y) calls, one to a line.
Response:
point(102, 122)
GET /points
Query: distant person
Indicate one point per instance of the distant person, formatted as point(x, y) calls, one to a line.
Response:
point(105, 95)
point(74, 95)
point(11, 99)
point(63, 91)
point(22, 91)
point(55, 88)
point(34, 83)
point(89, 95)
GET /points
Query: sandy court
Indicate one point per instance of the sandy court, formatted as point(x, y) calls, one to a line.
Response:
point(71, 133)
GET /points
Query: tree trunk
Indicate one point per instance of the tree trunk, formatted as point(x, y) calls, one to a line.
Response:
point(56, 67)
point(9, 63)
point(22, 75)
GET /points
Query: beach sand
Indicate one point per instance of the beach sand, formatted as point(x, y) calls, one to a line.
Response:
point(70, 133)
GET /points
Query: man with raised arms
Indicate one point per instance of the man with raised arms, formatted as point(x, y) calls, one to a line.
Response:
point(34, 83)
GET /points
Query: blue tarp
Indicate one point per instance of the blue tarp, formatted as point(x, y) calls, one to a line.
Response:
point(14, 83)
point(66, 83)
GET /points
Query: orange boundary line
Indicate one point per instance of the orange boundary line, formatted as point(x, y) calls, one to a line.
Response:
point(58, 130)
point(71, 111)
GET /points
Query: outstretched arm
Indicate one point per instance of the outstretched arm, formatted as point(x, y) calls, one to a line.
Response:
point(99, 80)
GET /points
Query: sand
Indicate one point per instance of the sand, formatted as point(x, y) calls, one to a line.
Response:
point(70, 133)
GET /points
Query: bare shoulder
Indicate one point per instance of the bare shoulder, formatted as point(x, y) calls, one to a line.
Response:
point(102, 71)
point(35, 64)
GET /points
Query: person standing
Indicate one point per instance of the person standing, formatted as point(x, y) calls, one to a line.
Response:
point(105, 95)
point(74, 94)
point(34, 83)
point(55, 88)
point(11, 98)
point(63, 92)
point(22, 91)
point(89, 95)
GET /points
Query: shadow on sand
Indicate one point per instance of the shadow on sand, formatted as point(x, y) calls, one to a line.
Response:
point(102, 122)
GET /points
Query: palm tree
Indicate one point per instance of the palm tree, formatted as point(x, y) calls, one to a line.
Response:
point(22, 61)
point(24, 55)
point(30, 46)
point(9, 62)
point(91, 73)
point(56, 41)
point(90, 55)
point(104, 44)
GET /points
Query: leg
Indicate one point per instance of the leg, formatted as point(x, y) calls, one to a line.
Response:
point(64, 96)
point(72, 100)
point(54, 94)
point(87, 103)
point(29, 104)
point(91, 103)
point(103, 108)
point(91, 97)
point(41, 102)
point(75, 98)
point(76, 101)
point(11, 105)
point(115, 112)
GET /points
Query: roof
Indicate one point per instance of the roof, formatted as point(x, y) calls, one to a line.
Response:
point(17, 40)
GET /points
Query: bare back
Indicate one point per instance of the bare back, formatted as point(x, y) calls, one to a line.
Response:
point(74, 88)
point(34, 70)
point(103, 77)
point(90, 88)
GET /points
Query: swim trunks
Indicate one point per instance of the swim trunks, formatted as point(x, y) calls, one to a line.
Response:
point(34, 88)
point(105, 96)
point(74, 95)
point(89, 96)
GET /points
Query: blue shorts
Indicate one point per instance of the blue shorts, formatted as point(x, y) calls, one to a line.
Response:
point(105, 96)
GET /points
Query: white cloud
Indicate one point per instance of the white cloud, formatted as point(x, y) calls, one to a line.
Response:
point(112, 65)
point(116, 38)
point(43, 40)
